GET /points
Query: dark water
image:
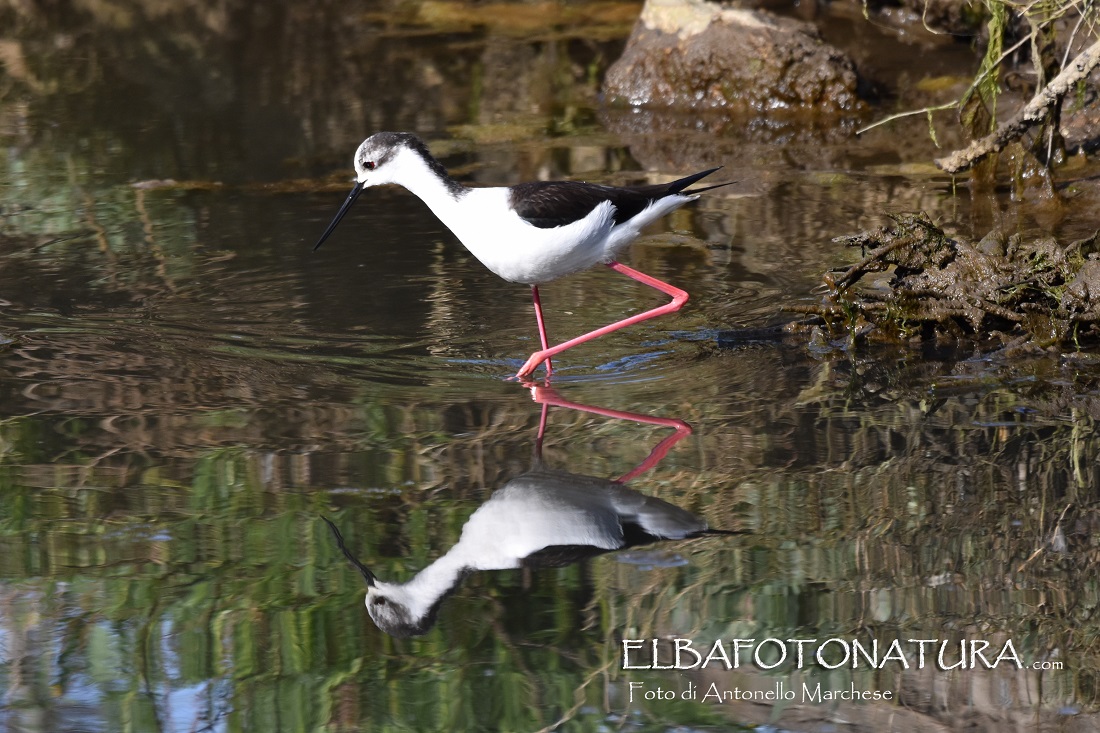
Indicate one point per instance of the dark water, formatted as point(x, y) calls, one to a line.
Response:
point(185, 389)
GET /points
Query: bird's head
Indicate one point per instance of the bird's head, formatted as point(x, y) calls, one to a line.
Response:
point(381, 156)
point(399, 612)
point(393, 607)
point(381, 159)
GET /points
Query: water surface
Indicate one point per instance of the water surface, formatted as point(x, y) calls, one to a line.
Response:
point(185, 388)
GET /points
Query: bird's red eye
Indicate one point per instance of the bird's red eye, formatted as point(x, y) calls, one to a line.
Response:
point(369, 165)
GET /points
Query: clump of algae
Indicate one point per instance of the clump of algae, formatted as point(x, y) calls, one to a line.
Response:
point(1001, 291)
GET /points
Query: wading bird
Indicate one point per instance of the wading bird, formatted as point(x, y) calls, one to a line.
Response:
point(542, 518)
point(529, 233)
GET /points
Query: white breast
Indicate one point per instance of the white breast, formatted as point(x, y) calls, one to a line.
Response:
point(518, 251)
point(525, 516)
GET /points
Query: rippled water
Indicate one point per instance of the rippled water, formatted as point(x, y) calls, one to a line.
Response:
point(186, 389)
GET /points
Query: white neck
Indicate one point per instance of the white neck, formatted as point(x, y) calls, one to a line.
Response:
point(415, 174)
point(429, 585)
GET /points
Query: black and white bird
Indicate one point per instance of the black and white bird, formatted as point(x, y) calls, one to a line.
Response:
point(544, 518)
point(529, 233)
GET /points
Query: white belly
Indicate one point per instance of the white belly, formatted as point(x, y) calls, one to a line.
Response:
point(523, 253)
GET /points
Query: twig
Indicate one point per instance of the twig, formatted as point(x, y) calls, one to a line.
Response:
point(910, 113)
point(949, 105)
point(859, 269)
point(997, 310)
point(1032, 113)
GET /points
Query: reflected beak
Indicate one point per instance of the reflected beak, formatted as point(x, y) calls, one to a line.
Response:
point(358, 189)
point(368, 576)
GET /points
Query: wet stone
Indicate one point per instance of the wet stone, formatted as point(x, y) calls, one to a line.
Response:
point(1083, 292)
point(948, 16)
point(699, 55)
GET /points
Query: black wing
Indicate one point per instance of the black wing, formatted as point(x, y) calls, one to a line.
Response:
point(548, 204)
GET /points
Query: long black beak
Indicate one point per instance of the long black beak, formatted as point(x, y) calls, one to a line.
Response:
point(358, 189)
point(368, 576)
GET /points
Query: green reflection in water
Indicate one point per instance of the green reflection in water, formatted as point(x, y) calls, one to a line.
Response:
point(140, 592)
point(184, 389)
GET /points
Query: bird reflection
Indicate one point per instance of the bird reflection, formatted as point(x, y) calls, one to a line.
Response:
point(542, 518)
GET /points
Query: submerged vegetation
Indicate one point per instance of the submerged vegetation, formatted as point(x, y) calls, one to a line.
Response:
point(1007, 290)
point(1003, 290)
point(1060, 41)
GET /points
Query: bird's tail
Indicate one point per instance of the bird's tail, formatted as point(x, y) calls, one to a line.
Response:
point(681, 186)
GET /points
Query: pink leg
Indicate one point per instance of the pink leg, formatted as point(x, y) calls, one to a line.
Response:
point(542, 326)
point(546, 396)
point(679, 297)
point(542, 430)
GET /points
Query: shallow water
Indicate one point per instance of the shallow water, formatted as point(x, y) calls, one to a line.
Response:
point(187, 388)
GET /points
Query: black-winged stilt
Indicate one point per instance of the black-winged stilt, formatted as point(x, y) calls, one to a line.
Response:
point(529, 233)
point(542, 518)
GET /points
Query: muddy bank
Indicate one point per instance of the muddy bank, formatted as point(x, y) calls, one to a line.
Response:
point(1002, 291)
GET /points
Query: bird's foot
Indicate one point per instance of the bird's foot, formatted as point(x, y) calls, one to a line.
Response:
point(533, 363)
point(543, 394)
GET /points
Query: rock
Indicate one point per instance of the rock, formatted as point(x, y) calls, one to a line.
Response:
point(957, 17)
point(1081, 120)
point(699, 55)
point(1082, 293)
